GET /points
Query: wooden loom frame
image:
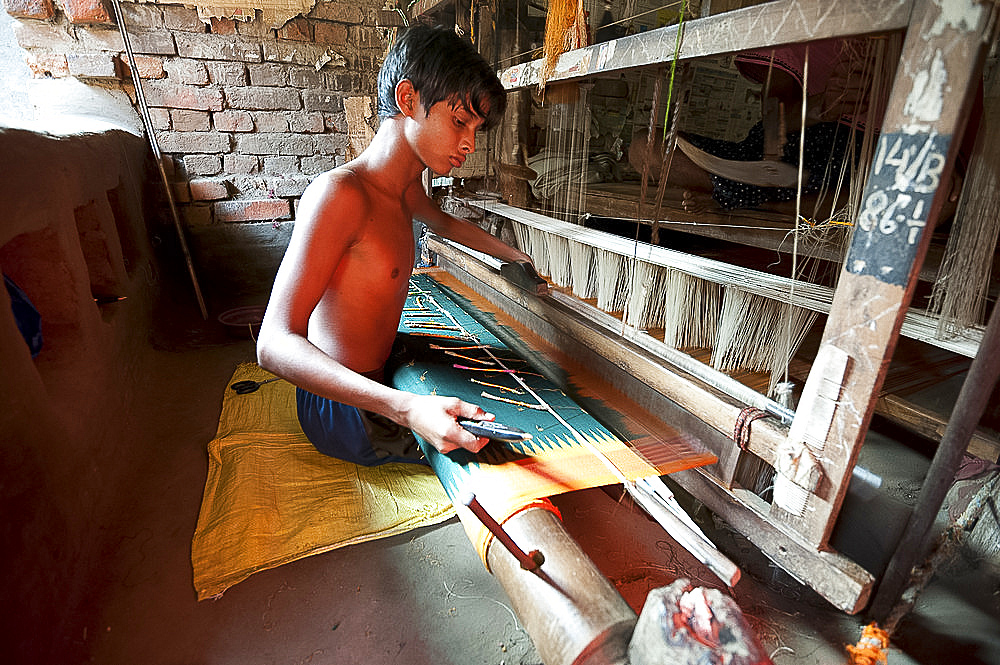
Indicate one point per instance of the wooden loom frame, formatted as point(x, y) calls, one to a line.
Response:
point(867, 311)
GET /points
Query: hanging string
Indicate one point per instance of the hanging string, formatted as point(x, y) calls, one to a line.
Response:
point(649, 145)
point(798, 206)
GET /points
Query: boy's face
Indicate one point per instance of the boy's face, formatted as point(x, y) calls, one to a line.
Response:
point(444, 136)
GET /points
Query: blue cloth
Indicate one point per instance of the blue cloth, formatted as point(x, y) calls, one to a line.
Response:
point(27, 318)
point(353, 435)
point(826, 145)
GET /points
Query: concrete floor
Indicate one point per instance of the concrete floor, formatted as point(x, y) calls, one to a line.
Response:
point(424, 597)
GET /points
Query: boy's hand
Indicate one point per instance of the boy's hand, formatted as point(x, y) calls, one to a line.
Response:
point(435, 420)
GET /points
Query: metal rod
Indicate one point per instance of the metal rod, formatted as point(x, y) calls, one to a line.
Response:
point(148, 124)
point(528, 560)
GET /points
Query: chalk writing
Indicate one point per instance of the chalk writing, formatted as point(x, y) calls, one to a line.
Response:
point(905, 176)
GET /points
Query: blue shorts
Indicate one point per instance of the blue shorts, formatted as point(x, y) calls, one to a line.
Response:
point(354, 435)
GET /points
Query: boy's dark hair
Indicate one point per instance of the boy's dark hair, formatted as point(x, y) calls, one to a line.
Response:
point(442, 67)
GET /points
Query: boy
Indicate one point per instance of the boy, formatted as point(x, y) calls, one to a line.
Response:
point(337, 298)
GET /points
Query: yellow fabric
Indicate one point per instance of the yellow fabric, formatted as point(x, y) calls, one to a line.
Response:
point(271, 498)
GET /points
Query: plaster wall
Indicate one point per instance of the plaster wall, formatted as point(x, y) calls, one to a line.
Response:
point(72, 237)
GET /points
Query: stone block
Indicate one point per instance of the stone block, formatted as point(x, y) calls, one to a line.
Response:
point(304, 77)
point(217, 47)
point(310, 122)
point(227, 73)
point(270, 121)
point(188, 143)
point(232, 121)
point(268, 74)
point(322, 100)
point(329, 144)
point(275, 144)
point(240, 164)
point(297, 53)
point(47, 65)
point(160, 118)
point(185, 120)
point(315, 164)
point(182, 18)
point(86, 11)
point(37, 9)
point(144, 16)
point(255, 210)
point(92, 65)
point(289, 186)
point(183, 70)
point(172, 95)
point(153, 42)
point(39, 34)
point(282, 165)
point(259, 98)
point(195, 165)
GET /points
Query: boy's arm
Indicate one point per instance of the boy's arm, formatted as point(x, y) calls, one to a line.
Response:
point(317, 247)
point(460, 230)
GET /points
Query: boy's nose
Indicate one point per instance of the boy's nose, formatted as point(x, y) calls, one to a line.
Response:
point(468, 143)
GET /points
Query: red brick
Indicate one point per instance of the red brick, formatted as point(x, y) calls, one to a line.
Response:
point(259, 98)
point(223, 26)
point(331, 33)
point(208, 190)
point(40, 9)
point(86, 11)
point(186, 120)
point(148, 66)
point(298, 29)
point(252, 211)
point(46, 65)
point(232, 121)
point(164, 93)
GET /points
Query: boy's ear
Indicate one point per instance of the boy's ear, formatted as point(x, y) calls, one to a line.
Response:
point(406, 98)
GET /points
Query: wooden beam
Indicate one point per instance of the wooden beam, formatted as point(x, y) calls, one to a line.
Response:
point(423, 7)
point(761, 26)
point(937, 76)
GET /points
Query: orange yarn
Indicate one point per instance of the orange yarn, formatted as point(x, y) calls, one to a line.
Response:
point(871, 648)
point(565, 30)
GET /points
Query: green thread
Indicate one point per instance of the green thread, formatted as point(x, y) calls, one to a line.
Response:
point(673, 66)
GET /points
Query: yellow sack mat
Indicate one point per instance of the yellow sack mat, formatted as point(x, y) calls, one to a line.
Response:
point(272, 498)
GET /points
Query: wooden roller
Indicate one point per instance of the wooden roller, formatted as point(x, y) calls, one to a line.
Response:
point(571, 611)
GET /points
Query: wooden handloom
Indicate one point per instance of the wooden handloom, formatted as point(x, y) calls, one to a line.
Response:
point(865, 314)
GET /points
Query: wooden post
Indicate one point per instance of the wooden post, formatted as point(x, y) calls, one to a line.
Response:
point(969, 407)
point(908, 184)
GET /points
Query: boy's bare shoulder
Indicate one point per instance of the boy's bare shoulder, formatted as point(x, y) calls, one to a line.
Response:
point(337, 185)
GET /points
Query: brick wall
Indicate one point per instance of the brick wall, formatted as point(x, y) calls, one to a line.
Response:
point(247, 115)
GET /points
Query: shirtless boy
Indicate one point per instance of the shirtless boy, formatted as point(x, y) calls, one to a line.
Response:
point(337, 298)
